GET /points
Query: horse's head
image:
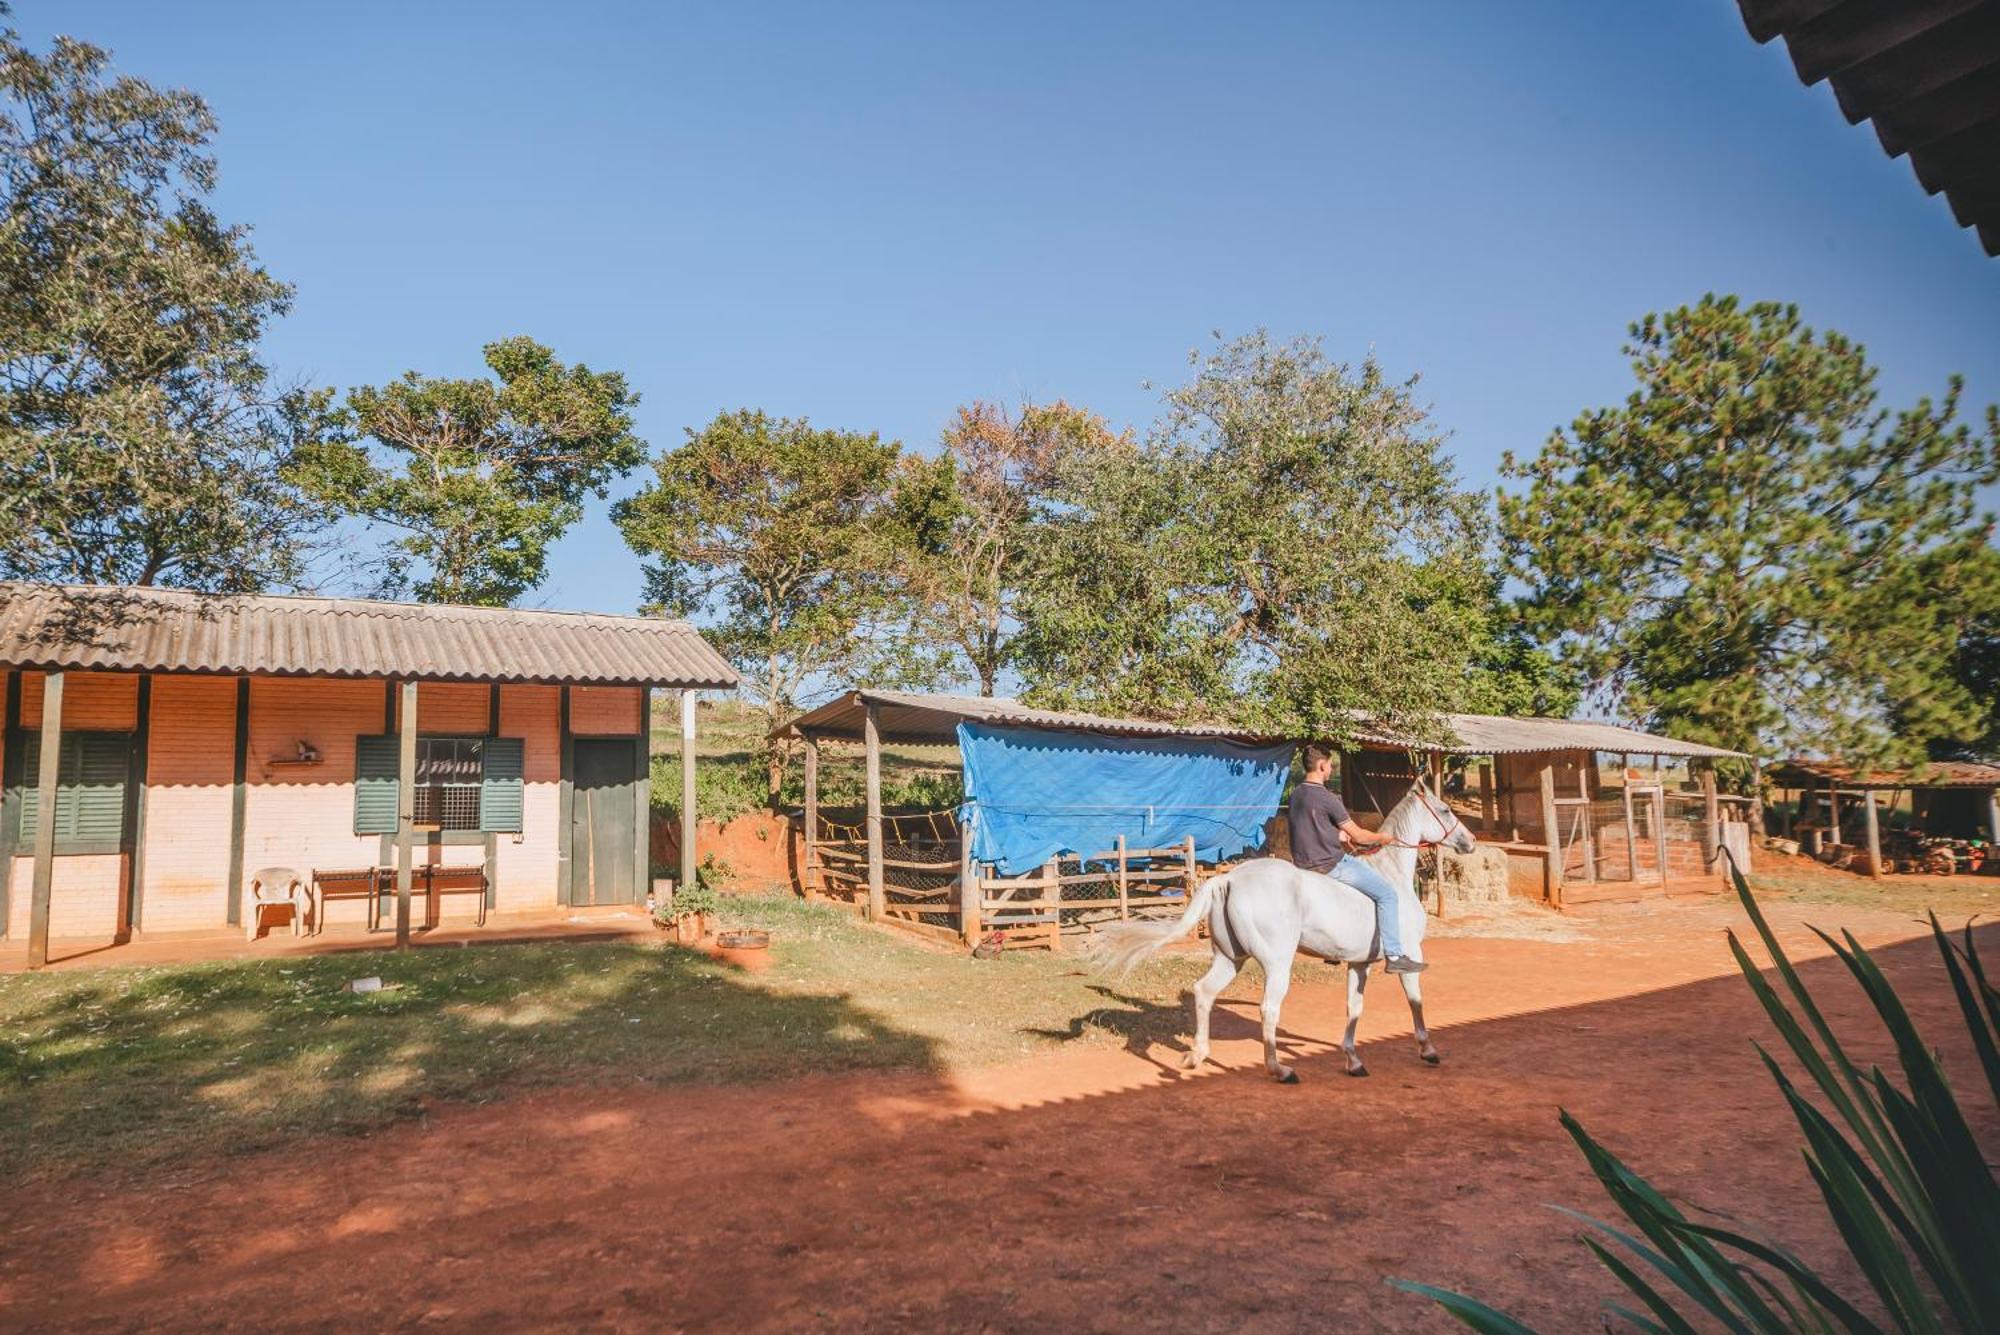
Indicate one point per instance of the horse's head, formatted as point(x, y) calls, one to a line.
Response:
point(1437, 823)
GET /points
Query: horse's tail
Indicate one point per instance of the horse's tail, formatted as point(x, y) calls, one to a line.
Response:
point(1121, 947)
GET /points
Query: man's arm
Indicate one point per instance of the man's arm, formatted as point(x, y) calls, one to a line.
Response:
point(1361, 837)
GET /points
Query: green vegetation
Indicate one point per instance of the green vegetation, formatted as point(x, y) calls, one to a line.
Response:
point(142, 439)
point(730, 777)
point(1751, 551)
point(134, 1069)
point(478, 477)
point(1899, 1168)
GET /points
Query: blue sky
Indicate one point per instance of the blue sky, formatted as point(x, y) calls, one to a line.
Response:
point(867, 214)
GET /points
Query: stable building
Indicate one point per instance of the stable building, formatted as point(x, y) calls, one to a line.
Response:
point(170, 757)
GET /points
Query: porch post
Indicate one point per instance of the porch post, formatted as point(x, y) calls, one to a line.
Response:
point(1874, 833)
point(1487, 815)
point(642, 790)
point(406, 807)
point(1993, 815)
point(1833, 811)
point(809, 865)
point(1660, 828)
point(688, 814)
point(871, 736)
point(239, 799)
point(48, 775)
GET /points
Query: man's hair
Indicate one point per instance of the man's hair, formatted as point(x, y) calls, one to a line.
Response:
point(1317, 754)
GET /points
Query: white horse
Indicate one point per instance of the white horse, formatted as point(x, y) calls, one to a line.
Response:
point(1271, 909)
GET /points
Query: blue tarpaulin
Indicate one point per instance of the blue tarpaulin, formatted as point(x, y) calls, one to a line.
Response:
point(1034, 793)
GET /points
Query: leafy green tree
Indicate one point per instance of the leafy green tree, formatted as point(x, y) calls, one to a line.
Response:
point(782, 537)
point(480, 476)
point(969, 517)
point(141, 439)
point(1290, 546)
point(1750, 551)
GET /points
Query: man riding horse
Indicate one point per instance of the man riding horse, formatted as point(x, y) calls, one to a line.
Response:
point(1321, 829)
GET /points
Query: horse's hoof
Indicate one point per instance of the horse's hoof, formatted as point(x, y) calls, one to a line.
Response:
point(1288, 1077)
point(1431, 1058)
point(1357, 1071)
point(1191, 1062)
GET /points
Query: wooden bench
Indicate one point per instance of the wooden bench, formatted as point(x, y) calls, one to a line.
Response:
point(352, 883)
point(439, 881)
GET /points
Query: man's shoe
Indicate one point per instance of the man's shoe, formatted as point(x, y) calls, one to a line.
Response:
point(1403, 964)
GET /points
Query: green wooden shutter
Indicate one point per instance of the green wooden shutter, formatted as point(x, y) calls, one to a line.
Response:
point(376, 766)
point(500, 785)
point(96, 793)
point(90, 790)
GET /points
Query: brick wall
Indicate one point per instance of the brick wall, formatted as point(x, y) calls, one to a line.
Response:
point(189, 770)
point(83, 898)
point(299, 816)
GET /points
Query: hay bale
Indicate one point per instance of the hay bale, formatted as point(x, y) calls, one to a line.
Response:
point(1478, 877)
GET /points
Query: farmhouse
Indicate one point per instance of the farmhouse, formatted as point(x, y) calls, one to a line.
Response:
point(174, 760)
point(1071, 817)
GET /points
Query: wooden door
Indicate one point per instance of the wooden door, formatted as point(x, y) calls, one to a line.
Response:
point(602, 841)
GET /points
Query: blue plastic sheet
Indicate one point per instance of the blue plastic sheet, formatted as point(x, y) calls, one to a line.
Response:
point(1038, 793)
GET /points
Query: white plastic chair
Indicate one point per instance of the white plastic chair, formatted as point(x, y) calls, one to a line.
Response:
point(270, 887)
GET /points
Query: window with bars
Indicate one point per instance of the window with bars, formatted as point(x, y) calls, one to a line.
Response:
point(462, 783)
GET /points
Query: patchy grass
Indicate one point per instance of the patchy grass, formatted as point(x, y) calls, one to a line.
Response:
point(1953, 898)
point(130, 1070)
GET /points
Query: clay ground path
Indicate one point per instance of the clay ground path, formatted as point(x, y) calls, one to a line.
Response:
point(1090, 1190)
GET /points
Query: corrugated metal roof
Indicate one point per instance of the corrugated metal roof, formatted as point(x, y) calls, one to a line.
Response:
point(906, 717)
point(1491, 734)
point(1927, 72)
point(171, 630)
point(1938, 774)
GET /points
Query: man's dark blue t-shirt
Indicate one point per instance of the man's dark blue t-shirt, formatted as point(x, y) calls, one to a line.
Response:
point(1314, 817)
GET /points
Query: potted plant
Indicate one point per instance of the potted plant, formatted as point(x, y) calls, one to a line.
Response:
point(688, 913)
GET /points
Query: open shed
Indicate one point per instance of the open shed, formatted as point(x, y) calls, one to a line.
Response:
point(1583, 810)
point(1954, 811)
point(1067, 817)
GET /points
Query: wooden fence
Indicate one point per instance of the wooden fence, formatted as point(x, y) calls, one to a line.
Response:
point(930, 886)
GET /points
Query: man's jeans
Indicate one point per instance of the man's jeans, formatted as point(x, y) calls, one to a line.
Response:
point(1356, 872)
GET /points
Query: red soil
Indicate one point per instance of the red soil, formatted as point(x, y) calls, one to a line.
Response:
point(1094, 1189)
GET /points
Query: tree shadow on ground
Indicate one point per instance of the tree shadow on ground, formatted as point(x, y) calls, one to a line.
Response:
point(137, 1068)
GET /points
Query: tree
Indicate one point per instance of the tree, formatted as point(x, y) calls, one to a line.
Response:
point(141, 438)
point(779, 534)
point(1289, 547)
point(1749, 551)
point(481, 476)
point(969, 515)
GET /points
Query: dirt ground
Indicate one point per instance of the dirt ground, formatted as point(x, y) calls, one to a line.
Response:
point(1089, 1190)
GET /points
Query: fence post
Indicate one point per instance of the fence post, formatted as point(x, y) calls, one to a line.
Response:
point(1552, 875)
point(968, 880)
point(1711, 817)
point(1124, 889)
point(1874, 833)
point(1052, 891)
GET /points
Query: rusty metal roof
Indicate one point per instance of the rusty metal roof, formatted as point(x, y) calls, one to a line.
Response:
point(171, 630)
point(907, 717)
point(1493, 735)
point(1797, 773)
point(1926, 72)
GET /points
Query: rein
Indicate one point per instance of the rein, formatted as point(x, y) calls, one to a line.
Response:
point(1444, 830)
